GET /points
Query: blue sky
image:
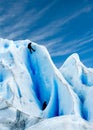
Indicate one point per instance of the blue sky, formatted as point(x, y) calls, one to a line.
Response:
point(63, 26)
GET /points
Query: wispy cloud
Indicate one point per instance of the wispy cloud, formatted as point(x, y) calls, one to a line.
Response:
point(87, 51)
point(55, 26)
point(15, 34)
point(88, 62)
point(77, 45)
point(62, 52)
point(27, 19)
point(84, 40)
point(30, 18)
point(12, 10)
point(52, 42)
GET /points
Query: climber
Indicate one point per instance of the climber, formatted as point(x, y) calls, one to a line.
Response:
point(44, 105)
point(30, 47)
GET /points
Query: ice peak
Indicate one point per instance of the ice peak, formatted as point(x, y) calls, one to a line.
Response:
point(32, 88)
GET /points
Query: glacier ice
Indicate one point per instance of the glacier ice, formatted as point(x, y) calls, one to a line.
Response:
point(69, 122)
point(28, 80)
point(81, 80)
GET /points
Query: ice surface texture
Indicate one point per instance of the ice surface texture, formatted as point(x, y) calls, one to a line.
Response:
point(32, 90)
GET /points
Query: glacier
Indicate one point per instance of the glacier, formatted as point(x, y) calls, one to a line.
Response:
point(27, 80)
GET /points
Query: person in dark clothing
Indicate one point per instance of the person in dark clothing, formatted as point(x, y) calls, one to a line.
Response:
point(44, 105)
point(30, 47)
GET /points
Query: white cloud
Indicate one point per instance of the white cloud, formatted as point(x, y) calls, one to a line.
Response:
point(31, 17)
point(77, 45)
point(54, 26)
point(28, 18)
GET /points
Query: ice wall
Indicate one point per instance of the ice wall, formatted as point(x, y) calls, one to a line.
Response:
point(28, 80)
